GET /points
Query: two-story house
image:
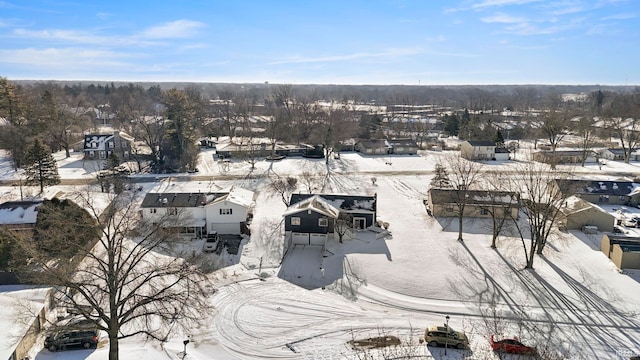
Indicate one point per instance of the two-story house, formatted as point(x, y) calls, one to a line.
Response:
point(478, 150)
point(197, 214)
point(101, 146)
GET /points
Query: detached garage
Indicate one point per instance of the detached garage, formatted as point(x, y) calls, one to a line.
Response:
point(310, 221)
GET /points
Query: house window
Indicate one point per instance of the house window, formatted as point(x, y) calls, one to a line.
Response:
point(604, 198)
point(484, 212)
point(226, 211)
point(111, 145)
point(295, 221)
point(324, 222)
point(153, 211)
point(172, 211)
point(448, 208)
point(622, 198)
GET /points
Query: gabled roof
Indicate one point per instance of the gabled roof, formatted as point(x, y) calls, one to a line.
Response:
point(342, 202)
point(574, 205)
point(314, 203)
point(598, 187)
point(155, 200)
point(481, 143)
point(236, 195)
point(402, 142)
point(374, 143)
point(19, 212)
point(475, 197)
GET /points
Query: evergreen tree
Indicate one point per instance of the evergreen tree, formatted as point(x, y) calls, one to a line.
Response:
point(40, 166)
point(113, 161)
point(451, 124)
point(441, 180)
point(499, 139)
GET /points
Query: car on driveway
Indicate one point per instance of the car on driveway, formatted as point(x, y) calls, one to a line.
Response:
point(72, 339)
point(211, 242)
point(445, 336)
point(511, 346)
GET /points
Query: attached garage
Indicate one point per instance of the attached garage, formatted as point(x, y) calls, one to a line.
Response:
point(300, 238)
point(225, 228)
point(308, 239)
point(318, 239)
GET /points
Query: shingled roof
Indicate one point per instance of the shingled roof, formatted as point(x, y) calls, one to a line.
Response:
point(342, 202)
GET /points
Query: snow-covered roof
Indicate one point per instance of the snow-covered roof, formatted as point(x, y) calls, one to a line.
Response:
point(342, 202)
point(237, 195)
point(19, 212)
point(314, 203)
point(18, 308)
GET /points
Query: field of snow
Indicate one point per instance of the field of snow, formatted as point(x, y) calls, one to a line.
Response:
point(310, 304)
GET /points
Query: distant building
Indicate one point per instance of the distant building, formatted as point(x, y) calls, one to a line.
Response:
point(20, 215)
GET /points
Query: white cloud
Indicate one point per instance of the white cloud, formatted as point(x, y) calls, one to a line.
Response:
point(173, 30)
point(623, 16)
point(63, 57)
point(345, 57)
point(498, 3)
point(82, 37)
point(502, 18)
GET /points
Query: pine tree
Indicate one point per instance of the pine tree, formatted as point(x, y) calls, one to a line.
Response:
point(499, 139)
point(441, 180)
point(40, 166)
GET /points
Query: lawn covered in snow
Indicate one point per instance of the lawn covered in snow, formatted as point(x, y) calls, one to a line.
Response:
point(397, 282)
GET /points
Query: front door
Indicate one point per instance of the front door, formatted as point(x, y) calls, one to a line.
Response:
point(359, 223)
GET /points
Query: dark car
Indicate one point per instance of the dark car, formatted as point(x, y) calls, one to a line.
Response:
point(72, 339)
point(512, 346)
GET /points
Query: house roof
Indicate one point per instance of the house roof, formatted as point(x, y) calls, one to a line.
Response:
point(314, 203)
point(236, 195)
point(342, 202)
point(374, 143)
point(574, 205)
point(18, 308)
point(481, 143)
point(564, 152)
point(154, 200)
point(476, 197)
point(501, 150)
point(402, 142)
point(19, 212)
point(101, 139)
point(597, 187)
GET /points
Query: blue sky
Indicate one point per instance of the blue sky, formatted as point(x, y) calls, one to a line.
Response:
point(408, 42)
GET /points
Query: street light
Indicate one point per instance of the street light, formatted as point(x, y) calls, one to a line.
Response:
point(446, 339)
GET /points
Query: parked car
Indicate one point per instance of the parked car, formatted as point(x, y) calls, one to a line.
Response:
point(512, 346)
point(69, 339)
point(439, 336)
point(211, 242)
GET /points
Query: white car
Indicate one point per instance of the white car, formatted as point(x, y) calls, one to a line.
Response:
point(211, 242)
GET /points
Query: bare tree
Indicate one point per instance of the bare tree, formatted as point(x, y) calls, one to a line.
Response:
point(585, 129)
point(125, 284)
point(343, 223)
point(624, 122)
point(499, 204)
point(463, 175)
point(555, 126)
point(284, 187)
point(544, 194)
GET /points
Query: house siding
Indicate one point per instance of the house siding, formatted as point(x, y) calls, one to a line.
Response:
point(308, 223)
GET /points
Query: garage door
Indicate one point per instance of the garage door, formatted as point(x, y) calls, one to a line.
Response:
point(225, 228)
point(317, 239)
point(300, 238)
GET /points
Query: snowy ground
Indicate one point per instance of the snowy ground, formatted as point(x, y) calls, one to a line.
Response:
point(310, 304)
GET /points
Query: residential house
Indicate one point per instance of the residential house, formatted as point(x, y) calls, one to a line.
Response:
point(623, 251)
point(602, 191)
point(24, 311)
point(479, 203)
point(20, 215)
point(502, 154)
point(617, 154)
point(197, 214)
point(310, 219)
point(564, 156)
point(373, 146)
point(478, 150)
point(578, 213)
point(402, 146)
point(101, 146)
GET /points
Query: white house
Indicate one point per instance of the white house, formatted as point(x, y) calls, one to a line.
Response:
point(478, 150)
point(200, 213)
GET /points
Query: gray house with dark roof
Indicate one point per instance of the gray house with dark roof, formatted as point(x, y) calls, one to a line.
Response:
point(373, 146)
point(478, 203)
point(100, 146)
point(402, 146)
point(310, 218)
point(602, 192)
point(19, 215)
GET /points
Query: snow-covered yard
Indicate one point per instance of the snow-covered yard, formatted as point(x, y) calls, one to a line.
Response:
point(309, 305)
